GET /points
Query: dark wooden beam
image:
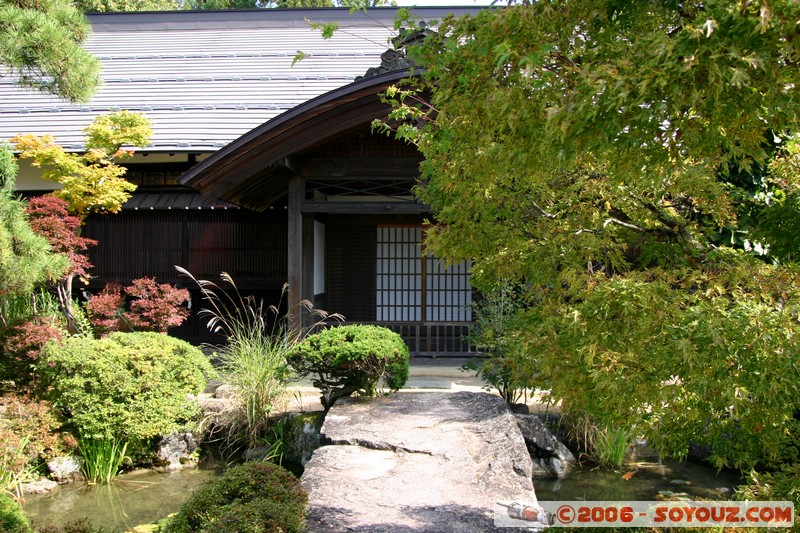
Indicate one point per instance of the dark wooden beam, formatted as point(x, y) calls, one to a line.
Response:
point(348, 167)
point(364, 208)
point(262, 190)
point(308, 262)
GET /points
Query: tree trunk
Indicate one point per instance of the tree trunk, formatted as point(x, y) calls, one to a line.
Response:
point(64, 291)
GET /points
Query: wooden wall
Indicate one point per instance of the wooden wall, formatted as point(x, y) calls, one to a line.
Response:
point(350, 251)
point(131, 244)
point(251, 247)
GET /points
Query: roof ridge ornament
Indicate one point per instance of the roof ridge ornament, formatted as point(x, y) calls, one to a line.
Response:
point(395, 58)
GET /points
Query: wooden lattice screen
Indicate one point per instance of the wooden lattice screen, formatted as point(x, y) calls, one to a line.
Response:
point(411, 287)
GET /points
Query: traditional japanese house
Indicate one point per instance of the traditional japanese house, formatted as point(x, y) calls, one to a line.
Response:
point(268, 171)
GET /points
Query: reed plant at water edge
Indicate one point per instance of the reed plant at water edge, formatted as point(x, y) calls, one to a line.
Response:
point(101, 458)
point(610, 446)
point(14, 467)
point(602, 445)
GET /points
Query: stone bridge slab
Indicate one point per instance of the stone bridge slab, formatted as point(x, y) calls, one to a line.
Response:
point(417, 462)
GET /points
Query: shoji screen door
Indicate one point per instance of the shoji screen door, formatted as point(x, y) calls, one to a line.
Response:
point(413, 288)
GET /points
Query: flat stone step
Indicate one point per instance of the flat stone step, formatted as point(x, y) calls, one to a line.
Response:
point(432, 461)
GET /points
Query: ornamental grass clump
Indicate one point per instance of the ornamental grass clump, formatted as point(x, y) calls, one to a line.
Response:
point(253, 359)
point(610, 446)
point(102, 458)
point(352, 359)
point(604, 445)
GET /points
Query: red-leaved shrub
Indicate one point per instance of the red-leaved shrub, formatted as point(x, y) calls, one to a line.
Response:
point(22, 347)
point(38, 422)
point(105, 310)
point(156, 306)
point(28, 339)
point(49, 217)
point(152, 307)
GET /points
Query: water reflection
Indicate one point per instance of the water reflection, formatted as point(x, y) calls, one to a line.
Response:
point(132, 499)
point(647, 480)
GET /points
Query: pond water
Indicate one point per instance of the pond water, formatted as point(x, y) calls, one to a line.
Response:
point(132, 499)
point(144, 497)
point(652, 479)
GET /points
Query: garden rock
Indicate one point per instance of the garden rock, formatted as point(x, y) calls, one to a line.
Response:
point(640, 451)
point(226, 392)
point(214, 406)
point(302, 436)
point(65, 469)
point(417, 462)
point(211, 386)
point(549, 455)
point(259, 453)
point(520, 409)
point(176, 451)
point(40, 486)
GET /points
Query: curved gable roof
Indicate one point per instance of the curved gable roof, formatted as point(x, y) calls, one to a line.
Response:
point(253, 170)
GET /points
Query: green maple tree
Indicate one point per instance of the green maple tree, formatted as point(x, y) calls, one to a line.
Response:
point(630, 164)
point(91, 182)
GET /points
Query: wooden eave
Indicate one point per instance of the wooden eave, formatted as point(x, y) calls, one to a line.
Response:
point(253, 171)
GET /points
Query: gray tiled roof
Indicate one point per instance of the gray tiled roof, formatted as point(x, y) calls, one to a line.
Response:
point(172, 199)
point(205, 78)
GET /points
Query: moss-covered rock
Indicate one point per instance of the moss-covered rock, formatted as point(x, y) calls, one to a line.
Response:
point(302, 436)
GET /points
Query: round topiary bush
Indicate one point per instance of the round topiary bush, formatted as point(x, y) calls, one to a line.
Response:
point(254, 497)
point(126, 386)
point(354, 358)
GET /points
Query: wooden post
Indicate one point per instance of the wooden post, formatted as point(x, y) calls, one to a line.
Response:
point(308, 263)
point(295, 251)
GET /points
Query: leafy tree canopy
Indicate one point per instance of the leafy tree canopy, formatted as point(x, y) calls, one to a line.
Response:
point(40, 44)
point(352, 4)
point(91, 182)
point(632, 164)
point(100, 6)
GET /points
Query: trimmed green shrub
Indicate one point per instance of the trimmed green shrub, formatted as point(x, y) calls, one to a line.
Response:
point(12, 519)
point(248, 498)
point(354, 358)
point(127, 386)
